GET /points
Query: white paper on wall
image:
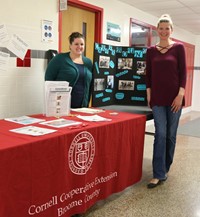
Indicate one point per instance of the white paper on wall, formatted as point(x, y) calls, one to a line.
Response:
point(17, 46)
point(47, 31)
point(4, 37)
point(63, 5)
point(4, 60)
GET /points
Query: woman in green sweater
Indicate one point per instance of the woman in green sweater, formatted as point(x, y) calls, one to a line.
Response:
point(74, 68)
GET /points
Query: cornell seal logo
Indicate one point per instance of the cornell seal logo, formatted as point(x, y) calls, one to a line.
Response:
point(81, 153)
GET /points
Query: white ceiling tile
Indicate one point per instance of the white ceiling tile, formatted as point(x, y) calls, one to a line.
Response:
point(184, 13)
point(173, 11)
point(196, 9)
point(159, 5)
point(190, 2)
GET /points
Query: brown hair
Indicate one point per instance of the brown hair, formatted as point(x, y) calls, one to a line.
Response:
point(75, 35)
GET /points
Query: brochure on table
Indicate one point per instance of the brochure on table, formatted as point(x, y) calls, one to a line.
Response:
point(33, 130)
point(61, 122)
point(119, 75)
point(25, 120)
point(57, 98)
point(88, 110)
point(93, 118)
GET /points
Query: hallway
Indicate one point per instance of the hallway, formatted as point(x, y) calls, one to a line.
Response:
point(179, 196)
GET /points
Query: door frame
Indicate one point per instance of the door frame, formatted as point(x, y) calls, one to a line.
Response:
point(98, 19)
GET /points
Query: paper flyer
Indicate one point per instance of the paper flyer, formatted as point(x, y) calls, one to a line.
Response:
point(47, 31)
point(4, 60)
point(33, 131)
point(24, 120)
point(18, 46)
point(4, 37)
point(61, 123)
point(57, 98)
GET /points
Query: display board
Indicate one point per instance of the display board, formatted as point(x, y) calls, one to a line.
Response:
point(119, 75)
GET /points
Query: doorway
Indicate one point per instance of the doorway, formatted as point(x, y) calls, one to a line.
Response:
point(84, 18)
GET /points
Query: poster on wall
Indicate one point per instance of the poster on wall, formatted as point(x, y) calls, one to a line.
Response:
point(18, 46)
point(119, 75)
point(47, 31)
point(4, 60)
point(113, 32)
point(63, 5)
point(4, 37)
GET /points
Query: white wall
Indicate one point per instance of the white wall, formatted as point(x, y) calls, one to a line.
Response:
point(22, 88)
point(196, 78)
point(24, 18)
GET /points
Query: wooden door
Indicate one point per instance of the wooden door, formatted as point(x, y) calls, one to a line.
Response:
point(78, 20)
point(189, 50)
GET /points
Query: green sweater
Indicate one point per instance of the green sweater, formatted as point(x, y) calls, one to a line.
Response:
point(62, 68)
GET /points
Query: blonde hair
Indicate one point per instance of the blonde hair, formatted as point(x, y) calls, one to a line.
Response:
point(165, 18)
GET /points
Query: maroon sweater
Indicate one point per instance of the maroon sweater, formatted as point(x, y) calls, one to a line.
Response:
point(165, 74)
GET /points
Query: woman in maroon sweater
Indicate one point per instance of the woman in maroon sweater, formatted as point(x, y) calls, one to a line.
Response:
point(165, 82)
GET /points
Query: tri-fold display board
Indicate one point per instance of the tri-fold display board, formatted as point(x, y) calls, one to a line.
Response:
point(119, 75)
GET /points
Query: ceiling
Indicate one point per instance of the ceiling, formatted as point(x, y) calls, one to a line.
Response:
point(184, 13)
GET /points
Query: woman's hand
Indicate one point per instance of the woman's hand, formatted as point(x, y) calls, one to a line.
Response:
point(177, 103)
point(148, 96)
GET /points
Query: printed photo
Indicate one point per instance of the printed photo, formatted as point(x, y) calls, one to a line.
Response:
point(126, 85)
point(141, 68)
point(99, 84)
point(104, 62)
point(125, 63)
point(110, 81)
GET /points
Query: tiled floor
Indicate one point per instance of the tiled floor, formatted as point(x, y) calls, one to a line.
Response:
point(179, 196)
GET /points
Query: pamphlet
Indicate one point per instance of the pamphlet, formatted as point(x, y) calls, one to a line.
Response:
point(95, 118)
point(33, 131)
point(57, 98)
point(24, 120)
point(61, 123)
point(88, 110)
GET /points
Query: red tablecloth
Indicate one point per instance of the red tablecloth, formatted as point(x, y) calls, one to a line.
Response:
point(66, 172)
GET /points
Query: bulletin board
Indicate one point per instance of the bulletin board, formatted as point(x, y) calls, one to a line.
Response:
point(119, 75)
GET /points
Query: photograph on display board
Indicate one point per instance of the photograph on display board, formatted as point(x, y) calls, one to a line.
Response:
point(126, 85)
point(125, 63)
point(110, 81)
point(141, 68)
point(99, 84)
point(104, 61)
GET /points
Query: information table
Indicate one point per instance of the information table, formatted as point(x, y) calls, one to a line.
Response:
point(68, 171)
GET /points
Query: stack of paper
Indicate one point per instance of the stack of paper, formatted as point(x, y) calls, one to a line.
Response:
point(57, 98)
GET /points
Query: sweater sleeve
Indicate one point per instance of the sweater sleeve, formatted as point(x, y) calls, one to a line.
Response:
point(88, 63)
point(182, 65)
point(148, 69)
point(53, 68)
